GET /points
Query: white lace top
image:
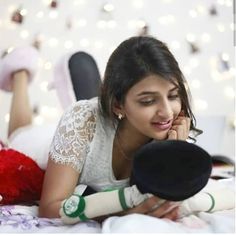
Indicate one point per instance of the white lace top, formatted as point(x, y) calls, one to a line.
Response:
point(84, 141)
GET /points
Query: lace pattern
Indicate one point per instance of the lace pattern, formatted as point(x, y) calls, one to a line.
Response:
point(74, 133)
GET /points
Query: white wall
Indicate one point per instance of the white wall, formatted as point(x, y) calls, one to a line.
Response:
point(177, 22)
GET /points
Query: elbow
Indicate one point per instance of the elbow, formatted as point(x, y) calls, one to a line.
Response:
point(43, 212)
point(49, 211)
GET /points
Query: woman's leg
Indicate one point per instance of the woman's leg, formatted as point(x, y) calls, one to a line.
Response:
point(20, 111)
point(18, 68)
point(34, 141)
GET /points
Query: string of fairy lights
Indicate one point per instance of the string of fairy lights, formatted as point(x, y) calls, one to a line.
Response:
point(34, 26)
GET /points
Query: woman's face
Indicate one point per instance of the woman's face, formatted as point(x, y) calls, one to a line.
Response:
point(151, 106)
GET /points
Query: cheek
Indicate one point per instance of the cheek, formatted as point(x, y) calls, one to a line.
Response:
point(139, 115)
point(176, 109)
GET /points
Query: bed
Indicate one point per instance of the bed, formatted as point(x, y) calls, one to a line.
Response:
point(23, 219)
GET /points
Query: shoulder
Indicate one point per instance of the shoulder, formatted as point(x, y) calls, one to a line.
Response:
point(74, 134)
point(80, 112)
point(83, 107)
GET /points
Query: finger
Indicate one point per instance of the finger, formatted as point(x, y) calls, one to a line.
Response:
point(172, 134)
point(181, 130)
point(181, 134)
point(183, 120)
point(0, 198)
point(161, 210)
point(188, 123)
point(146, 206)
point(172, 215)
point(180, 121)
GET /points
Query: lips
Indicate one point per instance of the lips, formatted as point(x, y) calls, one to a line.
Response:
point(162, 125)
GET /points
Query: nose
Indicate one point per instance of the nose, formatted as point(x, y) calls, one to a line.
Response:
point(164, 109)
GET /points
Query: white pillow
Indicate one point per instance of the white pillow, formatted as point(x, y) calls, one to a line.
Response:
point(34, 141)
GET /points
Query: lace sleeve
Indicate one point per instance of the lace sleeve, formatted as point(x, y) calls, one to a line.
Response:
point(73, 136)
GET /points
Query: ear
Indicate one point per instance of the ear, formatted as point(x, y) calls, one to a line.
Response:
point(117, 108)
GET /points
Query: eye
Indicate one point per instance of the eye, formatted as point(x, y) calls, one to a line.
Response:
point(147, 102)
point(173, 96)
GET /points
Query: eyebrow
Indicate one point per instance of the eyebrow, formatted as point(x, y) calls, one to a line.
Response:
point(152, 93)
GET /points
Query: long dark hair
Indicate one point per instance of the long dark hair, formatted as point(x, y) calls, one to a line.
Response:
point(133, 60)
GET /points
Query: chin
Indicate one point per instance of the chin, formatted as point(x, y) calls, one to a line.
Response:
point(159, 136)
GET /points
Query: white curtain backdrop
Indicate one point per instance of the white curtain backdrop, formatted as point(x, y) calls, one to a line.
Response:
point(199, 33)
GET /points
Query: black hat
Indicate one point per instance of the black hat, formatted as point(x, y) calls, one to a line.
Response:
point(172, 169)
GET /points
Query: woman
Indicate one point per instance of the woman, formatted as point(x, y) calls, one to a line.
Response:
point(143, 97)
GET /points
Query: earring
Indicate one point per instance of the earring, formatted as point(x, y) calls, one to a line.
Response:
point(120, 116)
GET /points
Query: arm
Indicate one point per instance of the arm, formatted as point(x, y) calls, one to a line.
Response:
point(59, 183)
point(66, 158)
point(208, 201)
point(78, 208)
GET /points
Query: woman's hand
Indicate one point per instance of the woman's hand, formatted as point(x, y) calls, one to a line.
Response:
point(167, 209)
point(180, 128)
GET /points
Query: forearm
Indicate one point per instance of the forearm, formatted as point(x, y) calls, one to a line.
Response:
point(102, 203)
point(78, 208)
point(209, 201)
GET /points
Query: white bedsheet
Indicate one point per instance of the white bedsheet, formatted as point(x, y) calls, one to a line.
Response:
point(220, 222)
point(22, 219)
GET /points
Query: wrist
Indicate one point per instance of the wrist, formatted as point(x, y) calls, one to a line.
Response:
point(212, 202)
point(123, 199)
point(72, 209)
point(133, 197)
